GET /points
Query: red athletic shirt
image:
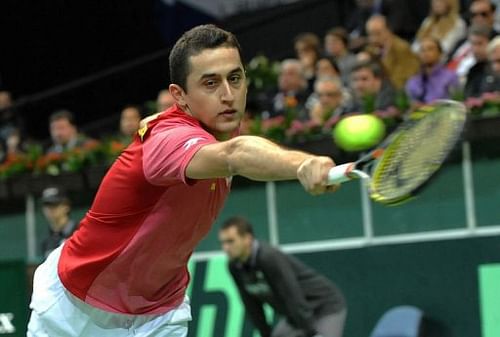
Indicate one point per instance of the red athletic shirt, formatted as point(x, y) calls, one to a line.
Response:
point(131, 250)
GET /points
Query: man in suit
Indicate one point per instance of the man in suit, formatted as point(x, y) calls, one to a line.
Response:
point(395, 53)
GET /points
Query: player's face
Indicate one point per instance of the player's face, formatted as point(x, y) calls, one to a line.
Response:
point(236, 246)
point(216, 90)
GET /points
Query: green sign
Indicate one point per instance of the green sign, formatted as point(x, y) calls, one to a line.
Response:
point(489, 288)
point(13, 301)
point(217, 310)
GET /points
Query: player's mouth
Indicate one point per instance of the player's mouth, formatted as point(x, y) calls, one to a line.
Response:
point(229, 113)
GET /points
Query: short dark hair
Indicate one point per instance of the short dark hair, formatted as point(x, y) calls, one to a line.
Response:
point(340, 33)
point(332, 61)
point(192, 43)
point(243, 226)
point(310, 40)
point(62, 114)
point(493, 6)
point(375, 67)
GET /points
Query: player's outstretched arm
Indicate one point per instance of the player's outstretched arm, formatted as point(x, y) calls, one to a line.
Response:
point(259, 159)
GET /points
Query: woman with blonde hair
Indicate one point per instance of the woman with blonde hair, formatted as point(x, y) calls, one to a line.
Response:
point(444, 24)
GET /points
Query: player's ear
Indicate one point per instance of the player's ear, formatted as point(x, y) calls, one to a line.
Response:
point(178, 94)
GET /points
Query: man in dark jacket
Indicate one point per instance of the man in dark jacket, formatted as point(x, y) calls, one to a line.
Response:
point(56, 208)
point(476, 83)
point(371, 90)
point(310, 304)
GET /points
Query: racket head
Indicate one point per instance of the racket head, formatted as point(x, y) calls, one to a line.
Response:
point(415, 154)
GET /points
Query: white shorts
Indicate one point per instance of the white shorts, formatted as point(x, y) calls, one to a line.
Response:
point(56, 312)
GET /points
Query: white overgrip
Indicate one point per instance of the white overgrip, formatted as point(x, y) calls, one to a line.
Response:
point(345, 172)
point(339, 173)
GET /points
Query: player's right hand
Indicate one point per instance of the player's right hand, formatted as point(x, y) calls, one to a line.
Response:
point(313, 175)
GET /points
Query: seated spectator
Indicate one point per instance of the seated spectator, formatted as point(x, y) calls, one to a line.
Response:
point(165, 100)
point(14, 143)
point(330, 99)
point(404, 18)
point(327, 66)
point(8, 119)
point(461, 58)
point(56, 208)
point(479, 37)
point(371, 90)
point(394, 52)
point(129, 123)
point(307, 50)
point(434, 81)
point(64, 133)
point(336, 45)
point(482, 12)
point(444, 24)
point(492, 80)
point(292, 86)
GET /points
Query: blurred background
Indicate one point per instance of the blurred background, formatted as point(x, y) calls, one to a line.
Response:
point(77, 76)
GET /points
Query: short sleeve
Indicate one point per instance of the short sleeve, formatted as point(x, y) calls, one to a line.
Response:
point(167, 153)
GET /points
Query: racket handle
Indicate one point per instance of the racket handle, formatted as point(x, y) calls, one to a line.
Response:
point(345, 172)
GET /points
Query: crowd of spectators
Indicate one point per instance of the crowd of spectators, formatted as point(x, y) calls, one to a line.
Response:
point(375, 65)
point(366, 66)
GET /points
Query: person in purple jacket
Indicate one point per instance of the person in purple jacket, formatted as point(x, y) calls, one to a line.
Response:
point(434, 81)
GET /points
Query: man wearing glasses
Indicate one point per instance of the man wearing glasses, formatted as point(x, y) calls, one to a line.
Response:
point(329, 92)
point(481, 13)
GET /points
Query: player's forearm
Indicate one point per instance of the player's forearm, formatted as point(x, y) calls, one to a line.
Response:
point(259, 159)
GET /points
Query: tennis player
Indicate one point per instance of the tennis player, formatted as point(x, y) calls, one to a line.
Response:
point(309, 304)
point(124, 271)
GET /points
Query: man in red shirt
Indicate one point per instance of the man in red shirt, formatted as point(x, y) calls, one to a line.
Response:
point(124, 271)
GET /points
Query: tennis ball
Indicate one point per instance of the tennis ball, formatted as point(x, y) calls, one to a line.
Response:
point(359, 132)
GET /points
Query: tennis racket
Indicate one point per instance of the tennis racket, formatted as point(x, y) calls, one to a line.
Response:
point(401, 165)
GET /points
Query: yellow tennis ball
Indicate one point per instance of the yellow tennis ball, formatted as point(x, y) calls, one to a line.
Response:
point(359, 132)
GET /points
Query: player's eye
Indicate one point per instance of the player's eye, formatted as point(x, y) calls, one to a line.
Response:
point(210, 83)
point(235, 79)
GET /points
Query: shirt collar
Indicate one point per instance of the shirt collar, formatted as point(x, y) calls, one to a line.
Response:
point(252, 260)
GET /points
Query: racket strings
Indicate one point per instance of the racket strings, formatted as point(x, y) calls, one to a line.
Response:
point(415, 155)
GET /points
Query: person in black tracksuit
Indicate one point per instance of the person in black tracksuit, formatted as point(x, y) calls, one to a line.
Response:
point(311, 305)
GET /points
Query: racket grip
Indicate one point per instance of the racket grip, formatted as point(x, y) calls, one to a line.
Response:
point(339, 174)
